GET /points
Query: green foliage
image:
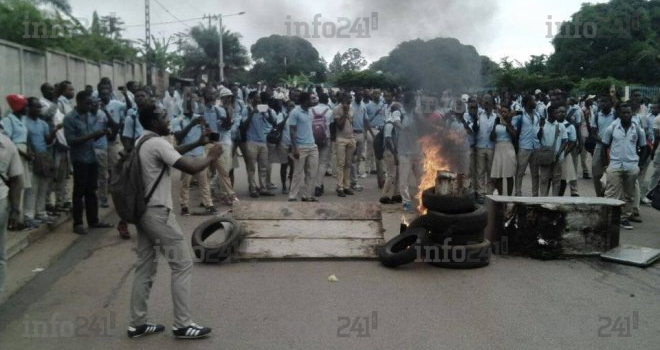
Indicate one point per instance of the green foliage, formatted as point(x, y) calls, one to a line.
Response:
point(55, 32)
point(366, 78)
point(351, 60)
point(598, 86)
point(200, 46)
point(625, 46)
point(160, 56)
point(280, 56)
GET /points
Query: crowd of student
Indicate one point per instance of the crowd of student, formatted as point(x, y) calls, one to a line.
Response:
point(311, 133)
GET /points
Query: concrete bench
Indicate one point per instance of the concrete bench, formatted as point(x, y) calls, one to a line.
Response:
point(553, 227)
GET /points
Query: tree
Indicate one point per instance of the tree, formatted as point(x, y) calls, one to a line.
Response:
point(366, 78)
point(200, 46)
point(160, 55)
point(277, 57)
point(434, 65)
point(351, 60)
point(618, 39)
point(52, 31)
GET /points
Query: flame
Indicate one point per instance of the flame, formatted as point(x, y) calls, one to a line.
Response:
point(435, 157)
point(405, 220)
point(433, 162)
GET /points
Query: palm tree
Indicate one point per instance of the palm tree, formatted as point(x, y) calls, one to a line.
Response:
point(64, 7)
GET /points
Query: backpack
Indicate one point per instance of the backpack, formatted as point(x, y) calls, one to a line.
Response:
point(655, 202)
point(127, 186)
point(319, 127)
point(379, 142)
point(275, 135)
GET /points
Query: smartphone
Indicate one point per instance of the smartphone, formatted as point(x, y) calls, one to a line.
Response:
point(214, 137)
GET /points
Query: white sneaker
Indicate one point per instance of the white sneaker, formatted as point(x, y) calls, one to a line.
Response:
point(646, 201)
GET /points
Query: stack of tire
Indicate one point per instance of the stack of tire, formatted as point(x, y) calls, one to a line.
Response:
point(450, 234)
point(215, 252)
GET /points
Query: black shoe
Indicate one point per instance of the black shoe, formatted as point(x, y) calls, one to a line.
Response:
point(575, 195)
point(322, 189)
point(101, 224)
point(385, 200)
point(211, 210)
point(293, 199)
point(586, 176)
point(254, 194)
point(185, 211)
point(397, 199)
point(373, 172)
point(625, 224)
point(341, 193)
point(266, 194)
point(349, 192)
point(318, 192)
point(327, 173)
point(191, 332)
point(309, 199)
point(145, 329)
point(635, 218)
point(80, 229)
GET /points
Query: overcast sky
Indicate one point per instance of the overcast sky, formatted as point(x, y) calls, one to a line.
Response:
point(513, 28)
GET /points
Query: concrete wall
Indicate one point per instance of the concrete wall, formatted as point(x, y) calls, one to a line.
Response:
point(23, 70)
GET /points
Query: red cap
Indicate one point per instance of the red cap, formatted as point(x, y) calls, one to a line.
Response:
point(16, 102)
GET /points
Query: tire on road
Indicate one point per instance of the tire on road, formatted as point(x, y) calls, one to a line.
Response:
point(215, 252)
point(447, 204)
point(462, 228)
point(403, 249)
point(460, 256)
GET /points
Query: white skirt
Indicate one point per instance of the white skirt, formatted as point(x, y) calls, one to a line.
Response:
point(504, 160)
point(567, 169)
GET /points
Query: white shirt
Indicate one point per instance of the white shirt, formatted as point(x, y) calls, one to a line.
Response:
point(10, 163)
point(155, 154)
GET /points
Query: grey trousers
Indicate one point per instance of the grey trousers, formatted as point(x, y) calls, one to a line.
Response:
point(597, 170)
point(526, 157)
point(484, 166)
point(550, 175)
point(158, 230)
point(104, 175)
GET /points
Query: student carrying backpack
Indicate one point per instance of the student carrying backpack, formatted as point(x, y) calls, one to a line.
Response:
point(127, 187)
point(319, 127)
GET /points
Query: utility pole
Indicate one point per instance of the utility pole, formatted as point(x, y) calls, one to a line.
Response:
point(221, 61)
point(209, 17)
point(147, 38)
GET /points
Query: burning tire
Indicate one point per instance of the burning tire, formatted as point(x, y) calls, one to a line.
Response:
point(404, 248)
point(215, 252)
point(459, 256)
point(465, 233)
point(447, 204)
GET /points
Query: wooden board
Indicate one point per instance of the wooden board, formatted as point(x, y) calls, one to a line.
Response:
point(313, 229)
point(286, 230)
point(247, 210)
point(300, 248)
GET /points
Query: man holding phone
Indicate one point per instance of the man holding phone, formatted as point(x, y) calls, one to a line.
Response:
point(187, 130)
point(219, 122)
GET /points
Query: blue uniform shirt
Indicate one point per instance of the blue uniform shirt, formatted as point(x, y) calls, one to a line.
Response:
point(14, 128)
point(101, 124)
point(193, 135)
point(604, 122)
point(76, 126)
point(359, 112)
point(529, 126)
point(623, 145)
point(302, 120)
point(132, 127)
point(37, 134)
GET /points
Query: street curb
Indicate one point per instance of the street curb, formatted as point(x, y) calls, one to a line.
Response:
point(18, 241)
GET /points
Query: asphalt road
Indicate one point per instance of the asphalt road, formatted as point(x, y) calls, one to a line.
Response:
point(81, 301)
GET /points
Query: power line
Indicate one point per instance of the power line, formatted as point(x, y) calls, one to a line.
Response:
point(169, 22)
point(171, 14)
